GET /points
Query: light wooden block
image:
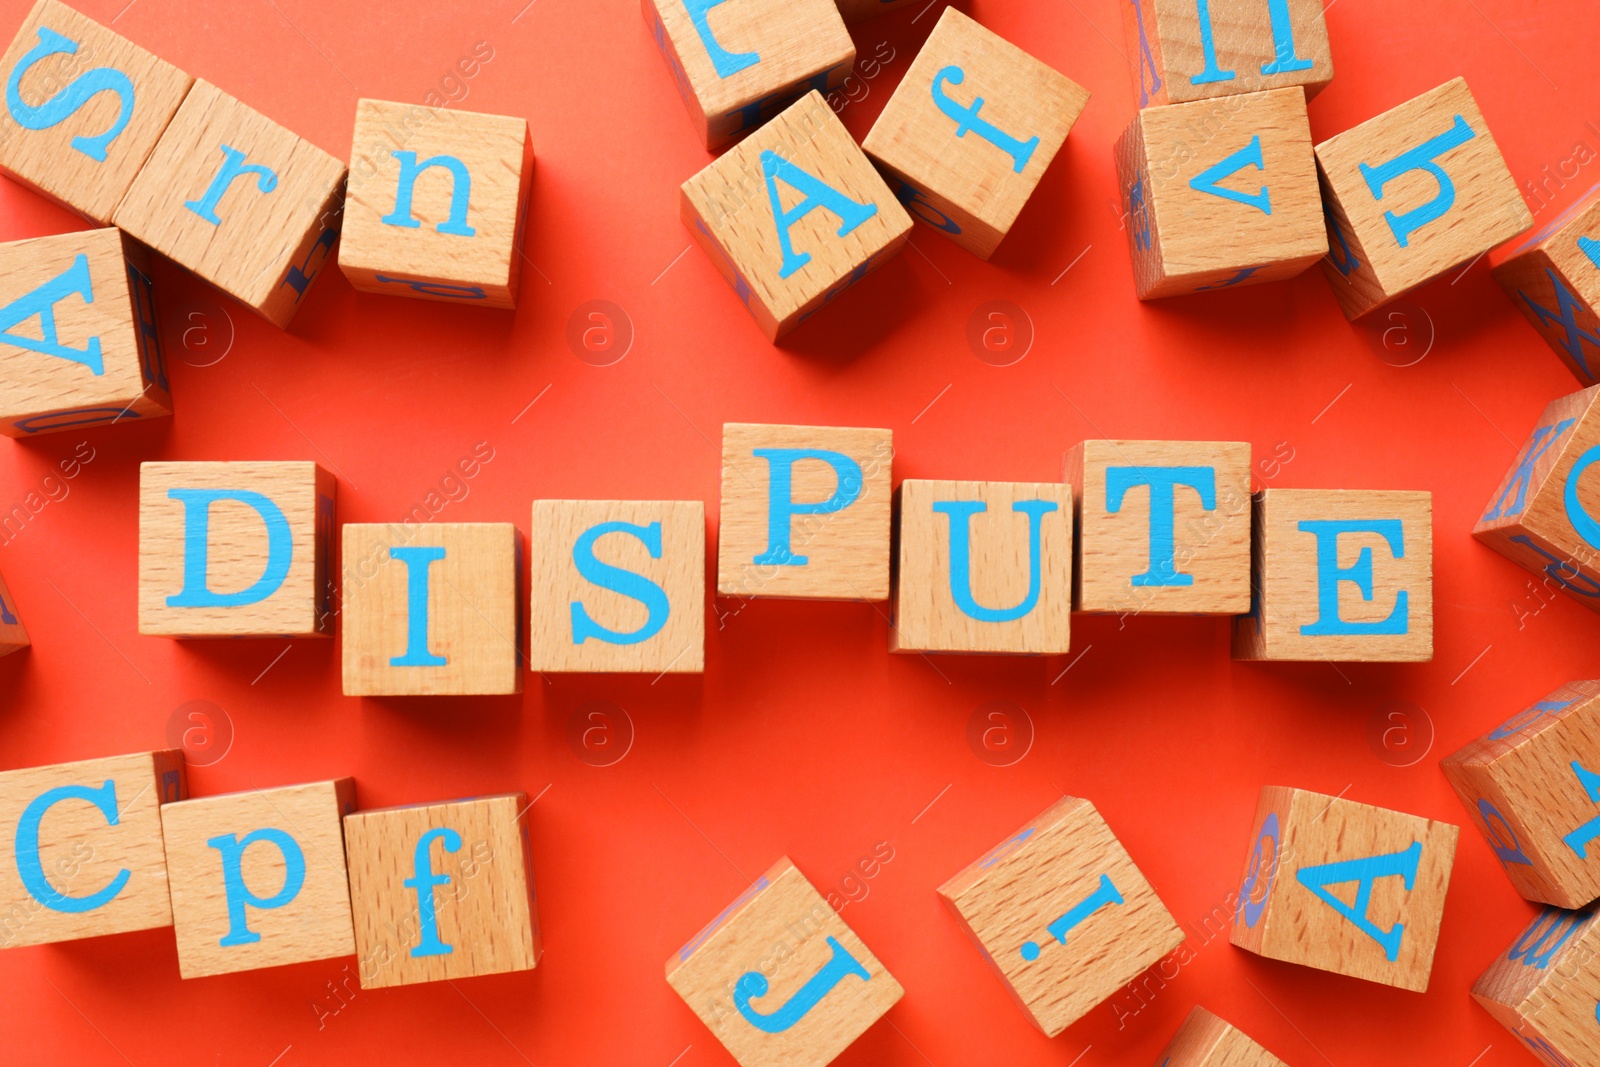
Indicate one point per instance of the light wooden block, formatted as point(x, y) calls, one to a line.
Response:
point(1062, 914)
point(644, 609)
point(971, 129)
point(79, 341)
point(1553, 277)
point(857, 10)
point(80, 847)
point(235, 549)
point(1340, 575)
point(241, 201)
point(13, 634)
point(1344, 887)
point(983, 567)
point(1544, 988)
point(1163, 526)
point(92, 107)
point(779, 978)
point(805, 512)
point(790, 249)
point(442, 891)
point(737, 63)
point(435, 204)
point(1220, 193)
point(1206, 1040)
point(258, 879)
point(1199, 49)
point(1411, 194)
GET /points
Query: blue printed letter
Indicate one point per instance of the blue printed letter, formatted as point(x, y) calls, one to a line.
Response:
point(638, 587)
point(418, 561)
point(1330, 574)
point(460, 193)
point(1162, 481)
point(197, 542)
point(818, 193)
point(960, 513)
point(753, 984)
point(1248, 156)
point(1419, 158)
point(239, 896)
point(781, 506)
point(966, 118)
point(70, 99)
point(1364, 872)
point(42, 302)
point(32, 870)
point(423, 880)
point(725, 62)
point(233, 167)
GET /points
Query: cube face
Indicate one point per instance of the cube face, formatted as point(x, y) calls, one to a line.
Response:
point(82, 842)
point(779, 978)
point(435, 204)
point(1340, 575)
point(92, 107)
point(805, 512)
point(1311, 855)
point(1062, 914)
point(13, 634)
point(441, 891)
point(983, 567)
point(1553, 277)
point(1199, 49)
point(431, 610)
point(794, 215)
point(1163, 526)
point(1412, 193)
point(971, 129)
point(1204, 1040)
point(618, 586)
point(258, 879)
point(239, 200)
point(235, 549)
point(1544, 988)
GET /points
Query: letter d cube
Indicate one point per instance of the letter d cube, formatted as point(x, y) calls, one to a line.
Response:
point(1544, 988)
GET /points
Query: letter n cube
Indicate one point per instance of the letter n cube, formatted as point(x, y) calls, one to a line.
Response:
point(1206, 1040)
point(1544, 988)
point(13, 635)
point(1553, 277)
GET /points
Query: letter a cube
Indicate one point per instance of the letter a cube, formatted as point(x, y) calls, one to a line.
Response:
point(1197, 49)
point(13, 635)
point(1553, 277)
point(1205, 1040)
point(1412, 193)
point(1220, 193)
point(1062, 914)
point(1344, 887)
point(779, 978)
point(1545, 986)
point(235, 550)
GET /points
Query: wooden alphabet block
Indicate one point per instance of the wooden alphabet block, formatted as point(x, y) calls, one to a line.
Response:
point(857, 10)
point(13, 635)
point(1553, 277)
point(80, 847)
point(1206, 1040)
point(431, 610)
point(1344, 887)
point(1062, 914)
point(435, 204)
point(235, 549)
point(1411, 194)
point(1163, 526)
point(1199, 49)
point(983, 567)
point(1220, 193)
point(618, 586)
point(971, 129)
point(805, 512)
point(779, 978)
point(79, 342)
point(258, 879)
point(85, 109)
point(1545, 986)
point(1340, 575)
point(241, 201)
point(794, 216)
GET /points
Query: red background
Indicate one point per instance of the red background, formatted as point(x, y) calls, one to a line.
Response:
point(805, 736)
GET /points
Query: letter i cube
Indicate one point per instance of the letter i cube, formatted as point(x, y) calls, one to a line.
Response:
point(1545, 986)
point(1205, 1040)
point(13, 635)
point(1344, 887)
point(1411, 194)
point(1553, 277)
point(1220, 193)
point(971, 129)
point(779, 978)
point(1198, 49)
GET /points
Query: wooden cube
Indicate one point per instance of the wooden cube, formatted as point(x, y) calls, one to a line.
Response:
point(971, 129)
point(1553, 277)
point(1344, 887)
point(435, 204)
point(1411, 194)
point(1205, 1040)
point(1198, 49)
point(794, 216)
point(1340, 575)
point(235, 549)
point(13, 635)
point(84, 111)
point(241, 201)
point(79, 342)
point(1532, 786)
point(618, 586)
point(805, 512)
point(1163, 526)
point(983, 567)
point(1544, 988)
point(258, 879)
point(1220, 193)
point(80, 847)
point(1062, 914)
point(737, 63)
point(779, 978)
point(442, 891)
point(857, 10)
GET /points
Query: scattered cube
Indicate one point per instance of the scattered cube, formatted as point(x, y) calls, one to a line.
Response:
point(794, 216)
point(13, 635)
point(856, 10)
point(235, 549)
point(1544, 988)
point(1553, 277)
point(1411, 194)
point(779, 978)
point(1062, 914)
point(1198, 49)
point(1205, 1040)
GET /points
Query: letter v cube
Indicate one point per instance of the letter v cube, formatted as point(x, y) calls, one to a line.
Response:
point(1553, 277)
point(1544, 987)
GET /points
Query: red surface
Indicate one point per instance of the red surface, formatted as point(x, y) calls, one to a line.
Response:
point(805, 736)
